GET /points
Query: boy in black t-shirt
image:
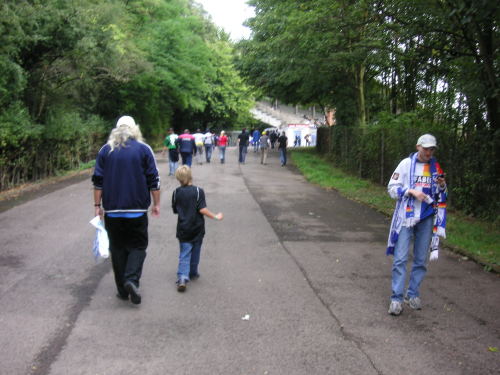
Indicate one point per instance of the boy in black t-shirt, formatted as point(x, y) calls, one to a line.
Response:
point(188, 202)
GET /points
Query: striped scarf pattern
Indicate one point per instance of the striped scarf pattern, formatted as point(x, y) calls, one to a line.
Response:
point(404, 214)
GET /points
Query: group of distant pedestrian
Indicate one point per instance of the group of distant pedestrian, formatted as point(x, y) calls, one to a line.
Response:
point(188, 145)
point(185, 146)
point(261, 142)
point(255, 138)
point(126, 178)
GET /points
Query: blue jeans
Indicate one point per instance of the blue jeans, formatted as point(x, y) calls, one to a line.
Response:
point(222, 153)
point(256, 145)
point(243, 153)
point(208, 152)
point(422, 235)
point(189, 258)
point(187, 158)
point(283, 156)
point(199, 154)
point(172, 165)
point(173, 159)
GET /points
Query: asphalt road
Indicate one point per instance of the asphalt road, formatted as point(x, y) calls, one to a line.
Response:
point(306, 265)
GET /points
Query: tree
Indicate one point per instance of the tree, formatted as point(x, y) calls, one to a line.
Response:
point(72, 66)
point(314, 52)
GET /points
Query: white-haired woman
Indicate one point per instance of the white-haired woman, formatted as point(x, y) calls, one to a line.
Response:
point(125, 129)
point(125, 178)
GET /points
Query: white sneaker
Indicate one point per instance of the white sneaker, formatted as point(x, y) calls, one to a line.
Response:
point(414, 303)
point(395, 308)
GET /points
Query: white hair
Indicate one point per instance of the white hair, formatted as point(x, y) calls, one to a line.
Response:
point(124, 131)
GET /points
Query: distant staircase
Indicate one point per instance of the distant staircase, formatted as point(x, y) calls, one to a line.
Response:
point(279, 117)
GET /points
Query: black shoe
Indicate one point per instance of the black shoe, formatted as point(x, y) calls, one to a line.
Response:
point(181, 286)
point(133, 291)
point(121, 293)
point(123, 297)
point(194, 277)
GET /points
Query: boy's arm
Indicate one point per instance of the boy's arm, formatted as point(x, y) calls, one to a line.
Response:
point(206, 212)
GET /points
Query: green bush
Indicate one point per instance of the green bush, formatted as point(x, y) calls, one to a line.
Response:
point(19, 140)
point(31, 151)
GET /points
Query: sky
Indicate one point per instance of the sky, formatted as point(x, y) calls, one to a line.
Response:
point(229, 14)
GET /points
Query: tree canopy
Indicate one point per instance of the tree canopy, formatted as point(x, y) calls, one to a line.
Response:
point(431, 63)
point(69, 69)
point(150, 58)
point(364, 56)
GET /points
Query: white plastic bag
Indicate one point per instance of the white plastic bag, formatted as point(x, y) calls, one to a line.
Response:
point(101, 241)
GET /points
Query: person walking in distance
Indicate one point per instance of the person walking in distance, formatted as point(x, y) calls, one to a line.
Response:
point(282, 145)
point(186, 146)
point(188, 202)
point(256, 140)
point(243, 139)
point(273, 138)
point(208, 141)
point(198, 140)
point(264, 147)
point(222, 142)
point(170, 145)
point(419, 187)
point(125, 178)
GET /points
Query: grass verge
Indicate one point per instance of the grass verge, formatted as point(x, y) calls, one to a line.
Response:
point(470, 237)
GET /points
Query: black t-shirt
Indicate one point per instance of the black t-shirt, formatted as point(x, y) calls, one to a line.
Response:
point(282, 141)
point(243, 137)
point(187, 201)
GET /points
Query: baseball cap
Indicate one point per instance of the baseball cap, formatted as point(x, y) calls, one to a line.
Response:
point(427, 140)
point(125, 120)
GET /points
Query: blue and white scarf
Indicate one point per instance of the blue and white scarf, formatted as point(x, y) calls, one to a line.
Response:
point(404, 214)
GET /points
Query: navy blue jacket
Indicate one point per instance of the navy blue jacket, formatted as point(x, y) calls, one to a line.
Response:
point(186, 144)
point(126, 176)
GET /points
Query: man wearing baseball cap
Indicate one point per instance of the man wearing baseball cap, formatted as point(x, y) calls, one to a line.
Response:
point(419, 187)
point(125, 179)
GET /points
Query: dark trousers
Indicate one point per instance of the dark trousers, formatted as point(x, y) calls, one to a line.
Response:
point(187, 158)
point(128, 240)
point(243, 154)
point(208, 152)
point(173, 155)
point(283, 156)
